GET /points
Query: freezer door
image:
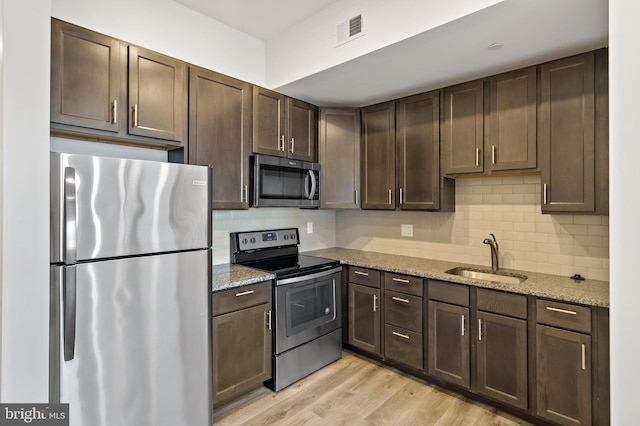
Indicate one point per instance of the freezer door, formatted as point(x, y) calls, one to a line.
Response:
point(111, 207)
point(142, 347)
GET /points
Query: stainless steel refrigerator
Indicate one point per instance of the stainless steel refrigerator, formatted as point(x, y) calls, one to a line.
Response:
point(130, 341)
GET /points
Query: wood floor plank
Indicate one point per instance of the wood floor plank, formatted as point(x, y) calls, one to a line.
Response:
point(358, 391)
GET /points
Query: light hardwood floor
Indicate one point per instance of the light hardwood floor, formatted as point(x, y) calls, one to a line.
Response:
point(357, 391)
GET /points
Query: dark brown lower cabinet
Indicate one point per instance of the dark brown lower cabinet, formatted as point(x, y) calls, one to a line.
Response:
point(241, 350)
point(502, 358)
point(563, 376)
point(404, 346)
point(364, 318)
point(448, 349)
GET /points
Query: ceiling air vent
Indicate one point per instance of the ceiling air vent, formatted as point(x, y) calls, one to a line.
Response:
point(349, 30)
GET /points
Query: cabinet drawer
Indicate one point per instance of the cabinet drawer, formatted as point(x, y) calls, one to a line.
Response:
point(564, 315)
point(241, 297)
point(513, 305)
point(403, 310)
point(403, 345)
point(364, 276)
point(449, 293)
point(403, 283)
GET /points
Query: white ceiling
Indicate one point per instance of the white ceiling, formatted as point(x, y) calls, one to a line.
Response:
point(532, 31)
point(259, 18)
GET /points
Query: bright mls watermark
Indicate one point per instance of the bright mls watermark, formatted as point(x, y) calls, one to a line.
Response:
point(34, 414)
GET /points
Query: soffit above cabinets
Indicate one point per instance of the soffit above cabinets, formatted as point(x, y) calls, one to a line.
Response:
point(531, 32)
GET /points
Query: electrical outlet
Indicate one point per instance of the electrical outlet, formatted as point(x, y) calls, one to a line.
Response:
point(406, 230)
point(309, 227)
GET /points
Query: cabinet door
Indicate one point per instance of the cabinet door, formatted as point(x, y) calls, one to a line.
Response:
point(448, 349)
point(463, 128)
point(219, 134)
point(268, 122)
point(512, 122)
point(241, 352)
point(339, 149)
point(378, 153)
point(157, 95)
point(418, 152)
point(364, 318)
point(85, 77)
point(301, 130)
point(567, 134)
point(502, 358)
point(563, 376)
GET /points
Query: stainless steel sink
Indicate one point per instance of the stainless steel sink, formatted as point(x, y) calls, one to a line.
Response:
point(488, 275)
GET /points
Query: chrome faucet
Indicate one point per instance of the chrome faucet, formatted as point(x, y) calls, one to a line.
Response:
point(495, 265)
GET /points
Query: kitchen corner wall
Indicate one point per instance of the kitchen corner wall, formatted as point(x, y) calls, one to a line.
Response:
point(226, 221)
point(509, 207)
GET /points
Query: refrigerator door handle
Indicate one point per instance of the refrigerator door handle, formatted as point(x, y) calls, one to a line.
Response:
point(70, 216)
point(69, 312)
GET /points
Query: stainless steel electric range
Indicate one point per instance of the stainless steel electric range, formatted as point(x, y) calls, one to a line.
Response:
point(306, 302)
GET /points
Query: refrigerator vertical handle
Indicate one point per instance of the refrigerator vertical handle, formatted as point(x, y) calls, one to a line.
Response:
point(70, 217)
point(69, 312)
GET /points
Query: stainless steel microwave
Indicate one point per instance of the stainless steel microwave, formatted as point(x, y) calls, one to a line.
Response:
point(283, 182)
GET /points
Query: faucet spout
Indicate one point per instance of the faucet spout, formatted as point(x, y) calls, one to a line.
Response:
point(493, 244)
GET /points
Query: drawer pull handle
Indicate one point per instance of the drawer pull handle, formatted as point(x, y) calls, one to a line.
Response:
point(400, 299)
point(584, 357)
point(269, 319)
point(562, 311)
point(244, 293)
point(462, 320)
point(375, 303)
point(480, 329)
point(400, 280)
point(404, 336)
point(366, 274)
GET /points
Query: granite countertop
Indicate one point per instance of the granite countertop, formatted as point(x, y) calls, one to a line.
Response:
point(226, 276)
point(587, 292)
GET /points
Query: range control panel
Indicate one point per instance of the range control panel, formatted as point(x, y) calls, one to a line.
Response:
point(267, 239)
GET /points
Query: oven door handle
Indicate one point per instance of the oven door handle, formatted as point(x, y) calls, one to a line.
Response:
point(309, 276)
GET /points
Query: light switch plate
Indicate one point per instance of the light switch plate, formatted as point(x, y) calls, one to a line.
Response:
point(406, 230)
point(309, 227)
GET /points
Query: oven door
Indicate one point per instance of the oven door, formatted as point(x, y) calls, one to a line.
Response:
point(307, 307)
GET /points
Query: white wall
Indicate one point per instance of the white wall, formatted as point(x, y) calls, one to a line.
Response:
point(310, 45)
point(25, 200)
point(624, 63)
point(171, 28)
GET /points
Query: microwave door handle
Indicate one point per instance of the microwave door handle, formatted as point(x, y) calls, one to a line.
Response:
point(312, 192)
point(307, 179)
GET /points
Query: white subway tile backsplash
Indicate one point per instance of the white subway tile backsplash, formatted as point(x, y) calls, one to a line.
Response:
point(509, 207)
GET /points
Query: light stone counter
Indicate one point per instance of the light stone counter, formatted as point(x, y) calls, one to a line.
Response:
point(226, 276)
point(587, 292)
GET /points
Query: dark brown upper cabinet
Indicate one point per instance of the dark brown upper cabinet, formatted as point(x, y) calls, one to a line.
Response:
point(418, 182)
point(573, 133)
point(282, 126)
point(339, 151)
point(85, 78)
point(463, 125)
point(378, 157)
point(110, 90)
point(220, 134)
point(511, 125)
point(157, 95)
